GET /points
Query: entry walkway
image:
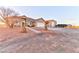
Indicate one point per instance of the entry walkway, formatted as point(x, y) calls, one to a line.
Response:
point(33, 30)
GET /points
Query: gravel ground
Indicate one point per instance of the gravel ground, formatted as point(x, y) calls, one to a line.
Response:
point(56, 40)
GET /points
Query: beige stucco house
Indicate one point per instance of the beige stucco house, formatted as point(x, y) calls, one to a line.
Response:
point(40, 22)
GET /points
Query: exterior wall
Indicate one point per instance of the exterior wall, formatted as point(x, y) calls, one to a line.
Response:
point(15, 20)
point(51, 23)
point(40, 24)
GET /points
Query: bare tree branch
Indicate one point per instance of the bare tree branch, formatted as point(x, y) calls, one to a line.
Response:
point(5, 12)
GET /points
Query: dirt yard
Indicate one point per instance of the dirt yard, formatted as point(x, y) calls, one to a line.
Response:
point(56, 40)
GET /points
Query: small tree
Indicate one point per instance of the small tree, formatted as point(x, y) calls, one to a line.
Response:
point(46, 25)
point(23, 29)
point(4, 13)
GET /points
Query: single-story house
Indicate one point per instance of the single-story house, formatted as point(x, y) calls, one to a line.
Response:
point(40, 22)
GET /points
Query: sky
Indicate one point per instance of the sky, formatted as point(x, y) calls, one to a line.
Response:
point(62, 14)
